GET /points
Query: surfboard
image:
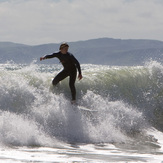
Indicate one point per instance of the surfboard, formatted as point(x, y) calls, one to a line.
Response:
point(85, 108)
point(77, 106)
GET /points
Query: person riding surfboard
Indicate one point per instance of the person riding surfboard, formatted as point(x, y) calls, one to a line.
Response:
point(70, 67)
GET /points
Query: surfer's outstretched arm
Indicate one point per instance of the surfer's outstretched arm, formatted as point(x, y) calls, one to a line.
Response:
point(49, 56)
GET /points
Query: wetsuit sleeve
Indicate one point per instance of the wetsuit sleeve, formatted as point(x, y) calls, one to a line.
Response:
point(51, 56)
point(77, 64)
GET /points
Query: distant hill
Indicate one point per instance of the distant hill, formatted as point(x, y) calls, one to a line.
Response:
point(106, 51)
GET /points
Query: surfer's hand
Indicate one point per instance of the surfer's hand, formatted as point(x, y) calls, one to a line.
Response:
point(42, 58)
point(80, 76)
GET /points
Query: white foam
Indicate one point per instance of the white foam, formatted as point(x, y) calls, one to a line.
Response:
point(26, 102)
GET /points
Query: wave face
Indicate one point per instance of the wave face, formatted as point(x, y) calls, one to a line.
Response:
point(125, 103)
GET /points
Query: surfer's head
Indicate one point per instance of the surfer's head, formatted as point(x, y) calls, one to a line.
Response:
point(64, 48)
point(63, 45)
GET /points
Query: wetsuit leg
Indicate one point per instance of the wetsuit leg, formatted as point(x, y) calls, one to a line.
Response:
point(62, 75)
point(72, 84)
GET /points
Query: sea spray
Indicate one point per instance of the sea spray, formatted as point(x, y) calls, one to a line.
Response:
point(120, 99)
point(19, 130)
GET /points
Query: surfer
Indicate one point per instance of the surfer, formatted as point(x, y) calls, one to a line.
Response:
point(70, 64)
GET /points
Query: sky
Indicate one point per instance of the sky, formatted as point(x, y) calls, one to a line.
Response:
point(35, 22)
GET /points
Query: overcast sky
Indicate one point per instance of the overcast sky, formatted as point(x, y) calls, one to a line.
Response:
point(36, 22)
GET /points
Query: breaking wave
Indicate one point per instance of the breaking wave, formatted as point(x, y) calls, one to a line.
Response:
point(115, 105)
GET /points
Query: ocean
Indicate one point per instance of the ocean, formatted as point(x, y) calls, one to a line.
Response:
point(118, 116)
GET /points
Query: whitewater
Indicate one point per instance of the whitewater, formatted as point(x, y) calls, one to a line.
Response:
point(118, 116)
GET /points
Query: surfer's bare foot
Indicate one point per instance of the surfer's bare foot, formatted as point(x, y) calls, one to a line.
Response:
point(73, 102)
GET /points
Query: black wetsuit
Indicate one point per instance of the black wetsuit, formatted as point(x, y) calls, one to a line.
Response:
point(70, 65)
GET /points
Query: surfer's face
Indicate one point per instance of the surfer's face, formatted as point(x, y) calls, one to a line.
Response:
point(64, 50)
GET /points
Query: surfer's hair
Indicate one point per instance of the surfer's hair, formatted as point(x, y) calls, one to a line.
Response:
point(63, 45)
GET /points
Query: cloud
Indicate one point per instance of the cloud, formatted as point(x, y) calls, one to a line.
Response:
point(44, 21)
